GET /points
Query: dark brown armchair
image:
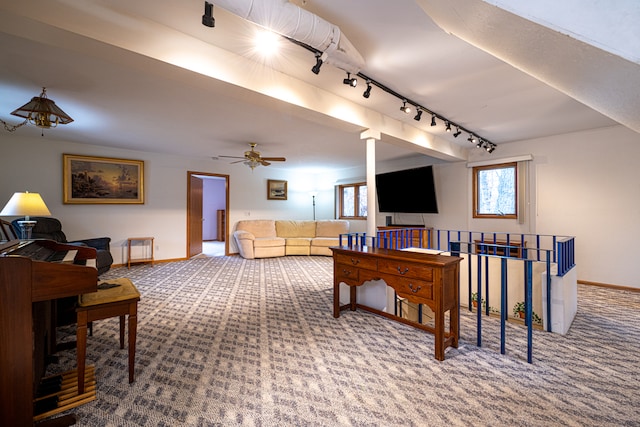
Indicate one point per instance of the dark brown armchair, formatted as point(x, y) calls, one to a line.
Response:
point(51, 228)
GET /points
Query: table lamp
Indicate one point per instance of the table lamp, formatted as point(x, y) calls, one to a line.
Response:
point(25, 204)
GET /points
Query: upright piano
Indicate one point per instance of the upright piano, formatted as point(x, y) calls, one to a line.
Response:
point(33, 275)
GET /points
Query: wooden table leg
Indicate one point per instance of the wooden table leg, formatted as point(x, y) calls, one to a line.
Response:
point(81, 348)
point(133, 326)
point(336, 299)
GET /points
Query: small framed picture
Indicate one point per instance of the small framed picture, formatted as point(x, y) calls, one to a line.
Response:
point(276, 190)
point(102, 180)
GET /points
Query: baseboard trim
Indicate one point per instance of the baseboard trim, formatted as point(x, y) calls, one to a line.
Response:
point(607, 285)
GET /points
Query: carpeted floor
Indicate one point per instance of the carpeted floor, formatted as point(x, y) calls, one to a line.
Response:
point(227, 341)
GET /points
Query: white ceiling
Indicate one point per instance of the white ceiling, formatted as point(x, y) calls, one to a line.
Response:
point(87, 54)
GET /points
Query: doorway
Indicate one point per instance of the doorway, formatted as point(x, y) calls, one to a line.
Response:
point(207, 211)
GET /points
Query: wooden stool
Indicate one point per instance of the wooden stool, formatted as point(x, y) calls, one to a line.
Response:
point(119, 301)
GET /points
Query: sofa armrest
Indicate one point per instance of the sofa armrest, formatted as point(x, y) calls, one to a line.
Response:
point(244, 240)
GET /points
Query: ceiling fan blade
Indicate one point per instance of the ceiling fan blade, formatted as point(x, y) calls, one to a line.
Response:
point(232, 157)
point(238, 161)
point(275, 159)
point(264, 163)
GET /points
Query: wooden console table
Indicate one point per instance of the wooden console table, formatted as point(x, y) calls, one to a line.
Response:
point(420, 278)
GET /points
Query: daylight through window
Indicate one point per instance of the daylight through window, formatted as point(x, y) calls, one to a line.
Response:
point(495, 192)
point(353, 201)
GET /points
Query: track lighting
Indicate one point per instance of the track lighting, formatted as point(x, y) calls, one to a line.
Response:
point(448, 128)
point(353, 82)
point(405, 108)
point(320, 58)
point(207, 18)
point(418, 115)
point(433, 120)
point(367, 92)
point(457, 133)
point(490, 147)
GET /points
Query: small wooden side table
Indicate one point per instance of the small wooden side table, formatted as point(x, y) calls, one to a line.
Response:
point(145, 241)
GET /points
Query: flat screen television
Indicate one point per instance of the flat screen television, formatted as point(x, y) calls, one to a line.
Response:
point(407, 191)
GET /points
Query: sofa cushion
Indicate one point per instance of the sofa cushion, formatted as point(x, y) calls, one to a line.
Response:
point(258, 227)
point(299, 241)
point(264, 242)
point(331, 227)
point(286, 228)
point(325, 241)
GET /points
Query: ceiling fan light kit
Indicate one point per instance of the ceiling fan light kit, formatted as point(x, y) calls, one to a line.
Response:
point(253, 159)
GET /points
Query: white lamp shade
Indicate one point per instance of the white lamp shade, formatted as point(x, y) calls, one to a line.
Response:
point(25, 204)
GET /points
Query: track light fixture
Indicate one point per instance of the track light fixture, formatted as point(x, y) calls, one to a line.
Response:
point(208, 19)
point(353, 82)
point(367, 91)
point(320, 58)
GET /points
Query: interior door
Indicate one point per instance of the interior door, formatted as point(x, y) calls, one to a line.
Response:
point(195, 215)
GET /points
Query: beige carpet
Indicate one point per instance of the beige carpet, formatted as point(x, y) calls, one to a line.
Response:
point(226, 341)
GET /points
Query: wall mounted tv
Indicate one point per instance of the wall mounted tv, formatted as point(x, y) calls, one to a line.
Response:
point(407, 191)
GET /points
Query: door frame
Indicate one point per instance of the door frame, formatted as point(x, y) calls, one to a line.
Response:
point(191, 194)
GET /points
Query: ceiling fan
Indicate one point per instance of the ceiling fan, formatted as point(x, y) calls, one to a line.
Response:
point(253, 159)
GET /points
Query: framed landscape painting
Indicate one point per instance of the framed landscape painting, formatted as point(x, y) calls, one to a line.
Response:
point(102, 180)
point(276, 190)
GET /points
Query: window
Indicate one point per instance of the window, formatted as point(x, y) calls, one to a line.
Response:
point(353, 201)
point(495, 192)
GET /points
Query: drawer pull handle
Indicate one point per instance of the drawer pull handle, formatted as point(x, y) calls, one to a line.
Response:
point(346, 272)
point(403, 272)
point(414, 290)
point(355, 261)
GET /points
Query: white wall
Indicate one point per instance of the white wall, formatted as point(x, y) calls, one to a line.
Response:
point(582, 184)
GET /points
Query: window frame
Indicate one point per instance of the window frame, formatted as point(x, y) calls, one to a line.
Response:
point(476, 170)
point(356, 198)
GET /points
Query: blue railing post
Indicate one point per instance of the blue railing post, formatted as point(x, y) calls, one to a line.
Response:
point(479, 300)
point(548, 316)
point(503, 304)
point(528, 303)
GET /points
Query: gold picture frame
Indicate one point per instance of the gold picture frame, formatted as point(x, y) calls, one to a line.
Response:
point(276, 190)
point(102, 180)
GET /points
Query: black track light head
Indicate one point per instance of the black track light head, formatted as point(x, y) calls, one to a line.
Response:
point(316, 68)
point(418, 115)
point(405, 108)
point(490, 148)
point(457, 133)
point(353, 82)
point(448, 128)
point(433, 120)
point(367, 91)
point(471, 139)
point(207, 18)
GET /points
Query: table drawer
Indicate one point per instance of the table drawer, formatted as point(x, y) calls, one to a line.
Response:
point(345, 272)
point(408, 288)
point(406, 269)
point(357, 261)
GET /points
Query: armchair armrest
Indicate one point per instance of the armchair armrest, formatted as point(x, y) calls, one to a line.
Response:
point(101, 243)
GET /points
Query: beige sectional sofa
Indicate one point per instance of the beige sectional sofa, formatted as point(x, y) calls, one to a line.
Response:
point(263, 238)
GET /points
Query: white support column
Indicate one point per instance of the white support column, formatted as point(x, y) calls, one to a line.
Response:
point(371, 136)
